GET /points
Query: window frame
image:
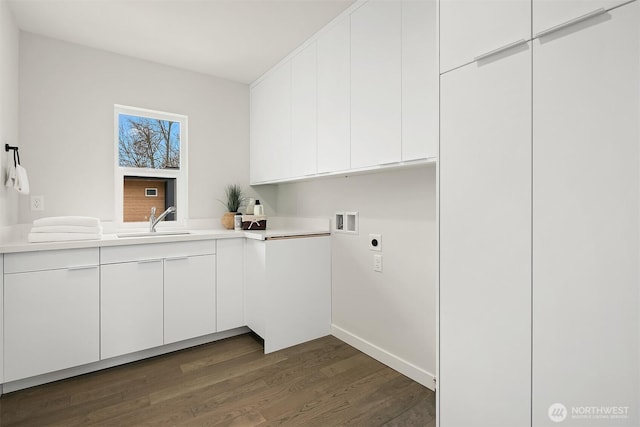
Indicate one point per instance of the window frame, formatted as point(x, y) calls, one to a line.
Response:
point(180, 175)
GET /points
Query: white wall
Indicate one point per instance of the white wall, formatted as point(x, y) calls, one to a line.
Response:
point(391, 315)
point(8, 108)
point(67, 93)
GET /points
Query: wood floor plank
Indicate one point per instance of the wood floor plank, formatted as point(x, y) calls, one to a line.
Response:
point(324, 382)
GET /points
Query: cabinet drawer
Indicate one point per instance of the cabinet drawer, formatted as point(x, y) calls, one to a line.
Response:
point(116, 254)
point(50, 260)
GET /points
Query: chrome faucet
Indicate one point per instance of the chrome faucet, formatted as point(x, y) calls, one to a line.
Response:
point(153, 221)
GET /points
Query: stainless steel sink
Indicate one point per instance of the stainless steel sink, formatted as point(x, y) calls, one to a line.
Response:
point(154, 234)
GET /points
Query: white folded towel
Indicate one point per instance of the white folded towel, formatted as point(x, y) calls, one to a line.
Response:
point(22, 182)
point(67, 229)
point(79, 221)
point(61, 237)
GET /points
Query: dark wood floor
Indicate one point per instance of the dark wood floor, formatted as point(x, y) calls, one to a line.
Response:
point(231, 383)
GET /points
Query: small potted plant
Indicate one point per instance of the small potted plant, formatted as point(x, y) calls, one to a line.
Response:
point(233, 201)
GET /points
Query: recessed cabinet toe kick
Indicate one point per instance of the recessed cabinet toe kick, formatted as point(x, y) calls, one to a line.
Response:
point(73, 311)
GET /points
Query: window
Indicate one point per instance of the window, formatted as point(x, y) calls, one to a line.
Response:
point(150, 164)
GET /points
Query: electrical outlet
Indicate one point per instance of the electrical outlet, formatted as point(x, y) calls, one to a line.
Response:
point(375, 242)
point(37, 203)
point(377, 263)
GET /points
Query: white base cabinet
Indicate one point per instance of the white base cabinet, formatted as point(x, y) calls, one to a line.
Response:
point(189, 297)
point(1, 321)
point(131, 300)
point(288, 290)
point(156, 294)
point(51, 312)
point(230, 284)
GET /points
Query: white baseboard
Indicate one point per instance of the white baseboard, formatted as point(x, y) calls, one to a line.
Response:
point(412, 371)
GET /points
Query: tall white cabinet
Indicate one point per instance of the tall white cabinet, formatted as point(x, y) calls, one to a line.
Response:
point(552, 14)
point(539, 222)
point(472, 28)
point(485, 248)
point(585, 217)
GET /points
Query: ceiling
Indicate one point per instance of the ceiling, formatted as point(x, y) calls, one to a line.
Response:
point(235, 39)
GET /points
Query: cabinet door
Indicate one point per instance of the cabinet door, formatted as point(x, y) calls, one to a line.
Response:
point(334, 98)
point(189, 297)
point(271, 134)
point(303, 113)
point(585, 223)
point(376, 87)
point(470, 28)
point(51, 321)
point(419, 79)
point(299, 289)
point(230, 284)
point(256, 298)
point(1, 319)
point(131, 307)
point(485, 244)
point(548, 14)
point(259, 123)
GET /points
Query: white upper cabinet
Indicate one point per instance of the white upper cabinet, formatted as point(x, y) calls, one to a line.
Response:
point(360, 94)
point(271, 126)
point(258, 117)
point(585, 218)
point(376, 83)
point(303, 112)
point(473, 28)
point(333, 98)
point(419, 80)
point(550, 14)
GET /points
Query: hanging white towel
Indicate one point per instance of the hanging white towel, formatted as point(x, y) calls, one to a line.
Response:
point(80, 221)
point(61, 237)
point(11, 177)
point(22, 181)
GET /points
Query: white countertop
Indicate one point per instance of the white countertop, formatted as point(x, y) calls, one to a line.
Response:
point(283, 228)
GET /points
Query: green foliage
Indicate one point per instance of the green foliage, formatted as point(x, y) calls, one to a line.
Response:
point(234, 197)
